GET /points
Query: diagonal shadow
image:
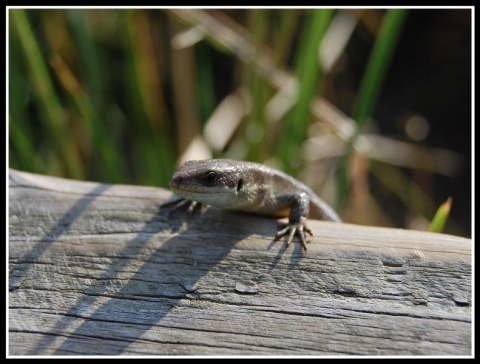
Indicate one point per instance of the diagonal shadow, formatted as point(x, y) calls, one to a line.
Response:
point(16, 274)
point(146, 308)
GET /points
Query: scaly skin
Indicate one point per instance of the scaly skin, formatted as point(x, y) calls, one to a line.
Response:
point(252, 187)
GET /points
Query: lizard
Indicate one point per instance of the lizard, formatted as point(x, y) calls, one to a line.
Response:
point(253, 188)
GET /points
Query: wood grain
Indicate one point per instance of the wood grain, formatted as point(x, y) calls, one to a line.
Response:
point(97, 269)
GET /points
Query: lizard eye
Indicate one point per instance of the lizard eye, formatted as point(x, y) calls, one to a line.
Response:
point(210, 178)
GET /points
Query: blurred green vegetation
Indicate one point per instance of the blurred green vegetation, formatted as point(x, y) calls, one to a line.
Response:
point(441, 217)
point(123, 95)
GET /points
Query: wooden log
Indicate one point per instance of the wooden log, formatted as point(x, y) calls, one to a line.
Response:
point(97, 269)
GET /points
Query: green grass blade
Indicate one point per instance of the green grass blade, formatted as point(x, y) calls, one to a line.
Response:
point(371, 85)
point(378, 63)
point(284, 34)
point(21, 140)
point(441, 216)
point(94, 100)
point(105, 153)
point(52, 114)
point(257, 21)
point(89, 55)
point(153, 147)
point(308, 73)
point(24, 157)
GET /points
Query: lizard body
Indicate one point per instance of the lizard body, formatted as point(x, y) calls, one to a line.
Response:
point(254, 188)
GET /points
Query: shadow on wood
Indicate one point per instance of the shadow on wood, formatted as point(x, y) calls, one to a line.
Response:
point(98, 269)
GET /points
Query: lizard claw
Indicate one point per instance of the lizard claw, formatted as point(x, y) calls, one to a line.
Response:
point(300, 229)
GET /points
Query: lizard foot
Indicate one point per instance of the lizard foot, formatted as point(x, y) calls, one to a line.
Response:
point(300, 229)
point(178, 204)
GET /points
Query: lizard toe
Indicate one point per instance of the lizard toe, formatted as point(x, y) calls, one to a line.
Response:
point(292, 230)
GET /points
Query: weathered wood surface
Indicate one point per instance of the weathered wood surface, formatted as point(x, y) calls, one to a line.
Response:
point(102, 269)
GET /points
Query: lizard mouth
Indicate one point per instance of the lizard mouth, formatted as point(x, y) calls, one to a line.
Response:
point(177, 186)
point(173, 184)
point(180, 185)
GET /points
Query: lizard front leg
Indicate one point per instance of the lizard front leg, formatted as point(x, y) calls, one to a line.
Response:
point(297, 224)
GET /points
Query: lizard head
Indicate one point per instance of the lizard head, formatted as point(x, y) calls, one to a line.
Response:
point(215, 182)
